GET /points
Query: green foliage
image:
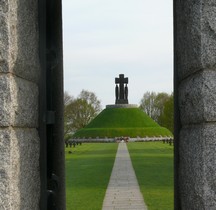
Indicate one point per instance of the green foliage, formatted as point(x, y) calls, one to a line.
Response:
point(67, 137)
point(88, 170)
point(80, 111)
point(167, 117)
point(153, 104)
point(92, 100)
point(147, 104)
point(160, 107)
point(153, 165)
point(115, 122)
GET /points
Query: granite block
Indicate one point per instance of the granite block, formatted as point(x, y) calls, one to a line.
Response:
point(4, 37)
point(18, 102)
point(5, 101)
point(25, 177)
point(19, 40)
point(26, 100)
point(25, 47)
point(5, 168)
point(19, 172)
point(195, 37)
point(197, 166)
point(197, 98)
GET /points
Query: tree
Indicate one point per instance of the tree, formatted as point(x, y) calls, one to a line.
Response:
point(67, 98)
point(67, 123)
point(161, 99)
point(147, 104)
point(153, 104)
point(167, 117)
point(80, 111)
point(159, 106)
point(92, 100)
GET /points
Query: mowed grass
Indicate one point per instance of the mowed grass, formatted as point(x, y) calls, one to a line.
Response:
point(88, 170)
point(115, 122)
point(153, 165)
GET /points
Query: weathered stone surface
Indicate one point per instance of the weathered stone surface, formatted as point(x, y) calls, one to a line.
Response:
point(5, 169)
point(4, 38)
point(3, 6)
point(195, 91)
point(5, 101)
point(18, 102)
point(197, 167)
point(25, 178)
point(208, 41)
point(197, 98)
point(19, 73)
point(25, 105)
point(196, 36)
point(20, 176)
point(24, 27)
point(19, 39)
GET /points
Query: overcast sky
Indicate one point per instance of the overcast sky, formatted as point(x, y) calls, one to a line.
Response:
point(103, 39)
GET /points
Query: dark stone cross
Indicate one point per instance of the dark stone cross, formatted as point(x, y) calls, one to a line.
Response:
point(121, 90)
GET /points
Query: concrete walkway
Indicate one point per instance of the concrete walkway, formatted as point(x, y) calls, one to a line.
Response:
point(123, 190)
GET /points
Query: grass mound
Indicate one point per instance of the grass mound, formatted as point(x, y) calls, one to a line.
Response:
point(114, 122)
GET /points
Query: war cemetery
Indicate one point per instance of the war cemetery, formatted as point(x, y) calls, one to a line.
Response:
point(120, 157)
point(122, 120)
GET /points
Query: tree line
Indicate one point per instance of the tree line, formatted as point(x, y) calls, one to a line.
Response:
point(160, 107)
point(78, 112)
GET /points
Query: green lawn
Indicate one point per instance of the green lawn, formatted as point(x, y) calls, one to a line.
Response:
point(115, 122)
point(89, 167)
point(153, 164)
point(88, 170)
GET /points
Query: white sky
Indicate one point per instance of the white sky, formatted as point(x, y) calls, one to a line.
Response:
point(103, 39)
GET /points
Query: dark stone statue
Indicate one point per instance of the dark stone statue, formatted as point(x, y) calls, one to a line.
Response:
point(117, 92)
point(121, 89)
point(126, 92)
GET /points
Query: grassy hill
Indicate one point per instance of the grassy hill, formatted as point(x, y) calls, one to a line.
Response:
point(115, 122)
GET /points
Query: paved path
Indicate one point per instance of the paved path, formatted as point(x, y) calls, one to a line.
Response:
point(123, 190)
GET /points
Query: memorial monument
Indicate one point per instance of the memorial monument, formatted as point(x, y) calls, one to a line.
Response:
point(122, 120)
point(121, 90)
point(23, 57)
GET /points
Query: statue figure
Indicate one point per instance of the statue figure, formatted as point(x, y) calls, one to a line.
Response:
point(126, 92)
point(121, 91)
point(117, 92)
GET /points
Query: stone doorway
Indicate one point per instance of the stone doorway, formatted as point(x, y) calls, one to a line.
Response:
point(195, 53)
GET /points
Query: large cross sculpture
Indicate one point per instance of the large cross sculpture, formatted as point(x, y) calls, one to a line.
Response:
point(121, 90)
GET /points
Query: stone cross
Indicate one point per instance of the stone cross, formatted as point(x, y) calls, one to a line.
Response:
point(121, 90)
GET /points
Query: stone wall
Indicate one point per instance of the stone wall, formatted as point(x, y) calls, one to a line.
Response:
point(19, 75)
point(195, 97)
point(195, 100)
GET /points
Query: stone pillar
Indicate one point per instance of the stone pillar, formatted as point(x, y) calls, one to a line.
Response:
point(19, 75)
point(195, 100)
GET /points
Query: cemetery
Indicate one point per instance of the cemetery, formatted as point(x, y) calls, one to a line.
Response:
point(90, 165)
point(122, 120)
point(32, 160)
point(131, 125)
